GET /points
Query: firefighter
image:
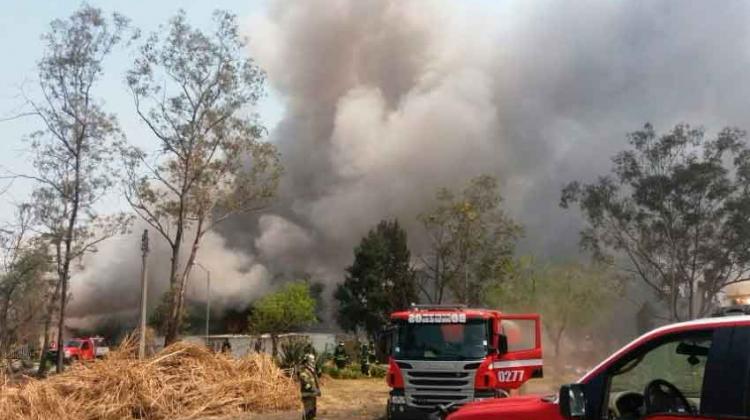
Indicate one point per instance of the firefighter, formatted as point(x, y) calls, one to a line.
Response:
point(339, 356)
point(309, 387)
point(372, 355)
point(226, 347)
point(364, 359)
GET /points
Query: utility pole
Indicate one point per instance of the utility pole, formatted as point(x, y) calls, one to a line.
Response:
point(144, 294)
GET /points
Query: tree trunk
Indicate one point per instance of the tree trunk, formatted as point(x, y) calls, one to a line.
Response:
point(4, 342)
point(558, 340)
point(674, 298)
point(178, 300)
point(47, 323)
point(172, 329)
point(174, 319)
point(45, 347)
point(439, 280)
point(61, 323)
point(179, 305)
point(67, 256)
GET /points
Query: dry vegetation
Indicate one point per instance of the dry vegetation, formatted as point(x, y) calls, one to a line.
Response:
point(182, 381)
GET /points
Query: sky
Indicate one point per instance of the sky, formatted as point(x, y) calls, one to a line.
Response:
point(21, 26)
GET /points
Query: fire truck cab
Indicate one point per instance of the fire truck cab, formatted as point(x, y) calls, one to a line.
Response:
point(79, 349)
point(692, 370)
point(443, 356)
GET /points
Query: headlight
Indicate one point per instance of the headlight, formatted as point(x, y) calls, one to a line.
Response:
point(398, 399)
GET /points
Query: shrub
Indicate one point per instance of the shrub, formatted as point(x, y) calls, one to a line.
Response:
point(354, 372)
point(293, 352)
point(378, 371)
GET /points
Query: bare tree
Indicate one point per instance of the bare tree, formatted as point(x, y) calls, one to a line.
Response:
point(190, 88)
point(74, 152)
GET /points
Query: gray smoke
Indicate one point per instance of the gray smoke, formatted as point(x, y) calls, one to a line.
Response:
point(386, 101)
point(109, 285)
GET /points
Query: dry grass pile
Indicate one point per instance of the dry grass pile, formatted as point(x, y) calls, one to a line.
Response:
point(182, 381)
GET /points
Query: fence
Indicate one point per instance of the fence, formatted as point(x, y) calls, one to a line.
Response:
point(21, 352)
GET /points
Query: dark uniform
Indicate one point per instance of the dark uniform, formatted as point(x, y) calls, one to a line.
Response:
point(340, 357)
point(364, 359)
point(226, 347)
point(309, 387)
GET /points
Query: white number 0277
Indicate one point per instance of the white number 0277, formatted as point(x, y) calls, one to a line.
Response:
point(510, 375)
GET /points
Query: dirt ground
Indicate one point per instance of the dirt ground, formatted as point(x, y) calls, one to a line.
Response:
point(353, 399)
point(364, 399)
point(341, 399)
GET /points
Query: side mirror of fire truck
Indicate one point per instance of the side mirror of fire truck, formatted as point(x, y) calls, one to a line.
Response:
point(572, 401)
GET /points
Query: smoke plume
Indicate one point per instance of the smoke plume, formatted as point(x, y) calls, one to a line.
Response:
point(109, 285)
point(386, 101)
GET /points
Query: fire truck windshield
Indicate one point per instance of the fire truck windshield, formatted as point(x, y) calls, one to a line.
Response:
point(449, 341)
point(73, 343)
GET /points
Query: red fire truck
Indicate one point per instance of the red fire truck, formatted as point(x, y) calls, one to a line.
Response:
point(692, 370)
point(443, 356)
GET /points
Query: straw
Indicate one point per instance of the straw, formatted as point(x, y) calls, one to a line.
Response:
point(182, 381)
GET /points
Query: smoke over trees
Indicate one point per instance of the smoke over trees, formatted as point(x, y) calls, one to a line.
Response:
point(384, 102)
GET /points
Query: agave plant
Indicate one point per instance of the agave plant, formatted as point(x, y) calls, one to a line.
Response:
point(293, 352)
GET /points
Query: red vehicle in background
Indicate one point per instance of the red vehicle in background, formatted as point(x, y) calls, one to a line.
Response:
point(692, 370)
point(86, 348)
point(79, 349)
point(444, 356)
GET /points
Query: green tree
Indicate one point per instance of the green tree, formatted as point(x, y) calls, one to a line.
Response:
point(379, 281)
point(192, 89)
point(159, 316)
point(73, 153)
point(569, 297)
point(472, 242)
point(674, 213)
point(285, 310)
point(24, 265)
